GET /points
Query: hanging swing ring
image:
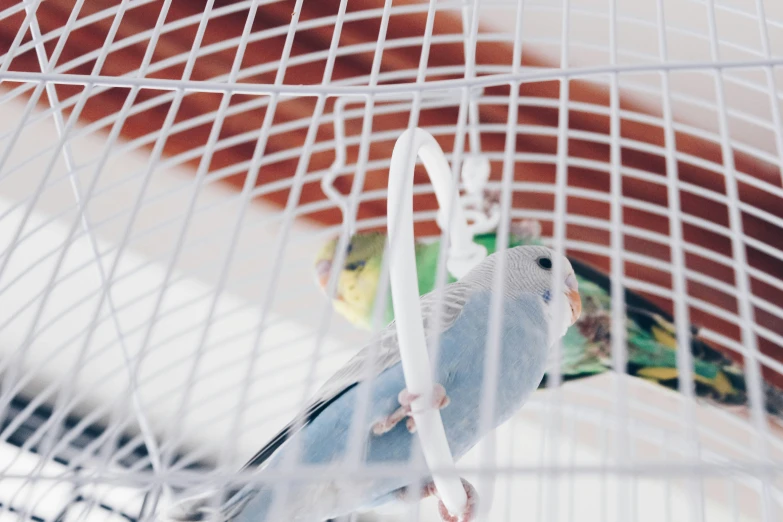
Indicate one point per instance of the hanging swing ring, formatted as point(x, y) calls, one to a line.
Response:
point(464, 254)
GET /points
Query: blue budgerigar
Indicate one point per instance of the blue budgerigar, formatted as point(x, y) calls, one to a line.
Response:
point(530, 325)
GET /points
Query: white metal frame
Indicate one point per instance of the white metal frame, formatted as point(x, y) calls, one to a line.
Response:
point(464, 254)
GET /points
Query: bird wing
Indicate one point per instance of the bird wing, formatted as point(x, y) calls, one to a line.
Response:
point(386, 353)
point(652, 342)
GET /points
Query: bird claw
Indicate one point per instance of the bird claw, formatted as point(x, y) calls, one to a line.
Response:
point(439, 400)
point(471, 507)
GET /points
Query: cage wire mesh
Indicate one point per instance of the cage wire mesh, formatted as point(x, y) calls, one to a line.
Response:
point(169, 171)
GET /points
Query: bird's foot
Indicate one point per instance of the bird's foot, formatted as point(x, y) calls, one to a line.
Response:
point(439, 400)
point(471, 508)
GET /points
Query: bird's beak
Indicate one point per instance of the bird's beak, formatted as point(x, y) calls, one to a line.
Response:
point(572, 293)
point(322, 269)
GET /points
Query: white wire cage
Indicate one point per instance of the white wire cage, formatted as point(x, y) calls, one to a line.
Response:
point(169, 170)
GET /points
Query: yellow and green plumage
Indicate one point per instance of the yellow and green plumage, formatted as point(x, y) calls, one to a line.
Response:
point(650, 334)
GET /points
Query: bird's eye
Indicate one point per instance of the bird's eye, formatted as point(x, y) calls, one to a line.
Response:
point(355, 265)
point(545, 263)
point(350, 248)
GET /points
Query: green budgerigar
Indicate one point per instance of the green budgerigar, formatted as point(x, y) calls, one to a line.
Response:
point(650, 333)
